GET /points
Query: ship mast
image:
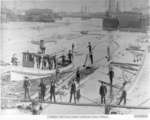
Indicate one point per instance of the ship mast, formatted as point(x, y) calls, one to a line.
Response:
point(112, 6)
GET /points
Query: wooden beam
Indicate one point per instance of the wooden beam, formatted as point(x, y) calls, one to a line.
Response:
point(109, 84)
point(125, 64)
point(138, 50)
point(92, 105)
point(126, 67)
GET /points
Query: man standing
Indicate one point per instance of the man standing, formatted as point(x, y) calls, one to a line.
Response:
point(102, 92)
point(111, 76)
point(70, 56)
point(73, 91)
point(124, 94)
point(78, 75)
point(26, 86)
point(90, 52)
point(43, 89)
point(52, 91)
point(123, 97)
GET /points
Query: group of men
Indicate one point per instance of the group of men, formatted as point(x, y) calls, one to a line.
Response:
point(75, 83)
point(43, 90)
point(42, 85)
point(74, 88)
point(103, 89)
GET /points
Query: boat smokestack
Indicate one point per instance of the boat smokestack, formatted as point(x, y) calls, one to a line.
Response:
point(42, 46)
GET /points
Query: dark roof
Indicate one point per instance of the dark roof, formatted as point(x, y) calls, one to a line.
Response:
point(37, 54)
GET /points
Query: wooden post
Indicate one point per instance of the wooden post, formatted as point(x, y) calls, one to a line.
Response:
point(107, 109)
point(110, 38)
point(35, 62)
point(41, 62)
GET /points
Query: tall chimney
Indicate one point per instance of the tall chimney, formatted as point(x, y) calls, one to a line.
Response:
point(42, 46)
point(112, 6)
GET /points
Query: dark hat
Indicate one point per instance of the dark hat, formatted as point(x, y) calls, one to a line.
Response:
point(26, 77)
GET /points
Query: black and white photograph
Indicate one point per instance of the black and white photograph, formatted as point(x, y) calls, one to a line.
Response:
point(75, 57)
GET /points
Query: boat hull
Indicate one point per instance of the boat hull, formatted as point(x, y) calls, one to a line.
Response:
point(126, 21)
point(110, 23)
point(18, 74)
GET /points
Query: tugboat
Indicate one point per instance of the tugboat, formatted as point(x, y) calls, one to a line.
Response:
point(37, 65)
point(124, 21)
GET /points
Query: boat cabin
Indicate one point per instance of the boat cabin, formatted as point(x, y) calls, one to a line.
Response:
point(36, 60)
point(44, 61)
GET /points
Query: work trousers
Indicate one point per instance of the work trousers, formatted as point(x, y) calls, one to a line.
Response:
point(42, 95)
point(52, 95)
point(123, 98)
point(91, 58)
point(74, 95)
point(103, 99)
point(26, 94)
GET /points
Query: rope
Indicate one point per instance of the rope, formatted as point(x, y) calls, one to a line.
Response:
point(144, 102)
point(89, 99)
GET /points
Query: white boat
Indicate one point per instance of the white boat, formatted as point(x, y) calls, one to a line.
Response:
point(17, 73)
point(38, 65)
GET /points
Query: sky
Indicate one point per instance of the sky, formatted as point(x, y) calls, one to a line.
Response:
point(71, 5)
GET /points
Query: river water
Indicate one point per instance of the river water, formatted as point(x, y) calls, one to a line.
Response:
point(17, 36)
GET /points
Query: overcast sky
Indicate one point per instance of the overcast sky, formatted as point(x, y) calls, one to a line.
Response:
point(72, 5)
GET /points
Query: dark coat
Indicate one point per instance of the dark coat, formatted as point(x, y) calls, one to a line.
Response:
point(26, 84)
point(111, 73)
point(102, 90)
point(52, 89)
point(43, 87)
point(90, 48)
point(73, 88)
point(78, 75)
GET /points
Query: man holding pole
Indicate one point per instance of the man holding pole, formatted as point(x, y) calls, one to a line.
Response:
point(26, 86)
